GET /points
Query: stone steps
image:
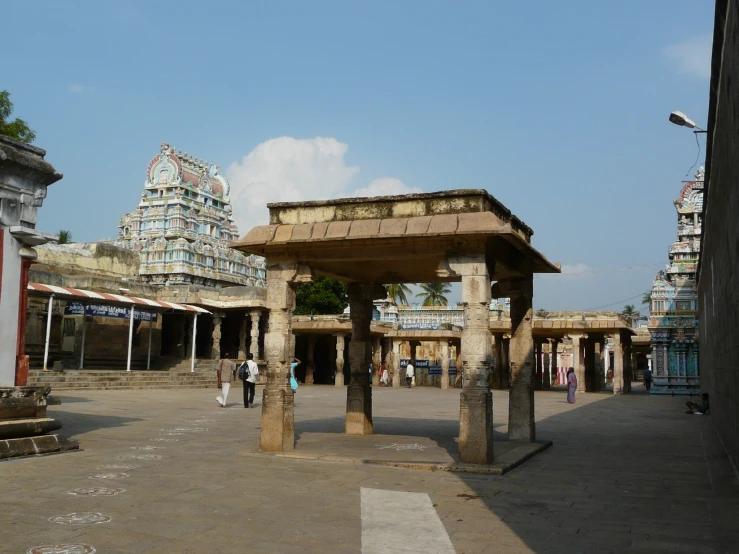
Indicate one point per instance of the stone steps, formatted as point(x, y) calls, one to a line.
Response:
point(91, 380)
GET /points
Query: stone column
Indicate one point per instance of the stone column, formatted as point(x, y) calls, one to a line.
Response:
point(590, 371)
point(521, 422)
point(215, 348)
point(243, 349)
point(600, 372)
point(359, 392)
point(555, 363)
point(396, 364)
point(310, 366)
point(539, 365)
point(254, 343)
point(339, 379)
point(376, 360)
point(278, 400)
point(498, 360)
point(460, 367)
point(618, 364)
point(445, 365)
point(505, 374)
point(547, 372)
point(627, 367)
point(476, 400)
point(577, 361)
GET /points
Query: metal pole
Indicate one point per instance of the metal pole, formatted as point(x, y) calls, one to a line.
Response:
point(48, 332)
point(148, 357)
point(194, 335)
point(84, 334)
point(130, 339)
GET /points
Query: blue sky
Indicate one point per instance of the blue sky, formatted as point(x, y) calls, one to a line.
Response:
point(558, 109)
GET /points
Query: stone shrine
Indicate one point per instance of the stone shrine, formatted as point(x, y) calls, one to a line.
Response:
point(460, 235)
point(182, 226)
point(673, 322)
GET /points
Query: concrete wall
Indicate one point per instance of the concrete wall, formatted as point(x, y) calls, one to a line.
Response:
point(718, 285)
point(9, 309)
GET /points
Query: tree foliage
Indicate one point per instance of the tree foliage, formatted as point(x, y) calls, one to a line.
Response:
point(399, 293)
point(321, 297)
point(65, 237)
point(17, 129)
point(647, 298)
point(434, 294)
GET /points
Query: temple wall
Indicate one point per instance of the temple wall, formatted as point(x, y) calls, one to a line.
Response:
point(101, 258)
point(717, 287)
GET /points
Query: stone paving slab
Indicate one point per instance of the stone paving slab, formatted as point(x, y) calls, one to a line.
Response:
point(625, 474)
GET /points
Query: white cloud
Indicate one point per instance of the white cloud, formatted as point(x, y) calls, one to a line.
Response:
point(386, 186)
point(693, 55)
point(287, 169)
point(79, 89)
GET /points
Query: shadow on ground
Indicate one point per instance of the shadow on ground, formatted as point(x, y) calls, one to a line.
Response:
point(75, 424)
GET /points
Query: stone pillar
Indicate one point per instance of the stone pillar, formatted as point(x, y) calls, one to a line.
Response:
point(396, 364)
point(254, 342)
point(618, 364)
point(600, 372)
point(476, 399)
point(215, 347)
point(183, 334)
point(445, 365)
point(590, 371)
point(554, 363)
point(310, 365)
point(521, 422)
point(243, 348)
point(460, 367)
point(278, 400)
point(498, 361)
point(627, 367)
point(376, 360)
point(539, 365)
point(359, 392)
point(546, 372)
point(578, 362)
point(339, 379)
point(505, 374)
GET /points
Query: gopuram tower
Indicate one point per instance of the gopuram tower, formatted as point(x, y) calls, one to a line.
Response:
point(182, 226)
point(673, 323)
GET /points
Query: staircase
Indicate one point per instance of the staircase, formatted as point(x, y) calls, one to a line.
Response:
point(123, 380)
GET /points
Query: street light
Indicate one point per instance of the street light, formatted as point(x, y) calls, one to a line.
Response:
point(679, 118)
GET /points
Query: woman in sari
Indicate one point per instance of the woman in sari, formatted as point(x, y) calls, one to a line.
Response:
point(571, 385)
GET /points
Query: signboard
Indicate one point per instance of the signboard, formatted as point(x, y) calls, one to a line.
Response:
point(436, 370)
point(119, 312)
point(421, 326)
point(419, 363)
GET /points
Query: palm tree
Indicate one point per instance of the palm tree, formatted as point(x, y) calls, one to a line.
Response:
point(433, 294)
point(629, 311)
point(398, 293)
point(647, 298)
point(65, 237)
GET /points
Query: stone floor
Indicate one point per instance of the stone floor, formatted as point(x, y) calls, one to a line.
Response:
point(625, 474)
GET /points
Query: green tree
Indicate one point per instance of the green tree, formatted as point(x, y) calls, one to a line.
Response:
point(647, 298)
point(433, 294)
point(399, 293)
point(321, 297)
point(17, 129)
point(65, 237)
point(630, 311)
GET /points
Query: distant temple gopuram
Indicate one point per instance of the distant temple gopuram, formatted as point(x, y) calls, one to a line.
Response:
point(182, 226)
point(673, 323)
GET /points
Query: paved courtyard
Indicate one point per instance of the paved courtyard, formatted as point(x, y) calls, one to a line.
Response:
point(168, 471)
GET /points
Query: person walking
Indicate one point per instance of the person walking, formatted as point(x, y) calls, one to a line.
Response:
point(250, 380)
point(409, 374)
point(384, 376)
point(293, 381)
point(226, 371)
point(648, 379)
point(571, 385)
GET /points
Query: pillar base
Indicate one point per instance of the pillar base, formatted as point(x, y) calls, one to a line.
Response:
point(339, 379)
point(359, 410)
point(476, 426)
point(278, 421)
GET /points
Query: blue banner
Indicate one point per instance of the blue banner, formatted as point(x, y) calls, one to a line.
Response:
point(118, 312)
point(420, 326)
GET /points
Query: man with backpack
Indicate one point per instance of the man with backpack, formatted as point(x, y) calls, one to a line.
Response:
point(248, 374)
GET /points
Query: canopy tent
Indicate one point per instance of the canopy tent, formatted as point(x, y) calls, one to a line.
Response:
point(108, 299)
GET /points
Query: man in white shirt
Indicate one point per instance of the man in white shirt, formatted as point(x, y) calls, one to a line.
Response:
point(250, 383)
point(409, 374)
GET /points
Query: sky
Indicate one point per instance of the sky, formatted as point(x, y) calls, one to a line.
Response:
point(558, 109)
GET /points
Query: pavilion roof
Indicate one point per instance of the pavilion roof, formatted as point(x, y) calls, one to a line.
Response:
point(111, 299)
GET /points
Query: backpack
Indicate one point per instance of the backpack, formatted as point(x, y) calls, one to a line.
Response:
point(243, 371)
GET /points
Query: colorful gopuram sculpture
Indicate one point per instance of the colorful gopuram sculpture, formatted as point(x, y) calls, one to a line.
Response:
point(673, 323)
point(182, 226)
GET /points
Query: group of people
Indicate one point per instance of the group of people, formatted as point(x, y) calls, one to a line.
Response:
point(247, 373)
